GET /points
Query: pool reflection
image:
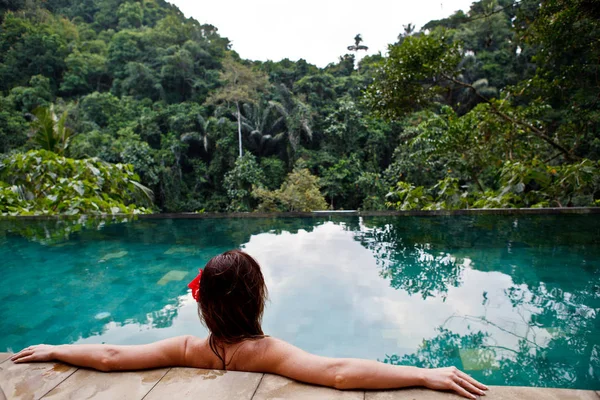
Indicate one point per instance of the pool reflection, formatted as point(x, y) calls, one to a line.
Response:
point(554, 290)
point(511, 300)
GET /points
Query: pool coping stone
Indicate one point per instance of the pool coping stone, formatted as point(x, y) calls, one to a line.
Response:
point(32, 381)
point(69, 382)
point(90, 384)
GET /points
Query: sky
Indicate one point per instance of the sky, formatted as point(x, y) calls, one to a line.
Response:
point(317, 30)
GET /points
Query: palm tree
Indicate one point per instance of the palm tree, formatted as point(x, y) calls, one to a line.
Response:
point(50, 132)
point(205, 129)
point(357, 46)
point(468, 99)
point(408, 29)
point(297, 117)
point(264, 125)
point(242, 85)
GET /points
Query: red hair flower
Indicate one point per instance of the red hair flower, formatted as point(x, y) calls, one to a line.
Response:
point(195, 286)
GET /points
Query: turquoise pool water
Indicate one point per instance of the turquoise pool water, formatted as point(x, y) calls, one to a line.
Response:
point(511, 300)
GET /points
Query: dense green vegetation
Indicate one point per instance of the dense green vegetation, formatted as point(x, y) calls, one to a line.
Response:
point(497, 107)
point(42, 182)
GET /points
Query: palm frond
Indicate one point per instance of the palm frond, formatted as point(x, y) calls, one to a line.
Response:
point(189, 136)
point(149, 194)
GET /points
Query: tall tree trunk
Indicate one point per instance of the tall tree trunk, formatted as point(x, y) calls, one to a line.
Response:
point(239, 118)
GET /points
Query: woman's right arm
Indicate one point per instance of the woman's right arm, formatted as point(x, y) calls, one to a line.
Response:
point(281, 358)
point(165, 353)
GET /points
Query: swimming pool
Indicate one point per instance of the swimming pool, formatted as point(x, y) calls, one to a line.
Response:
point(512, 300)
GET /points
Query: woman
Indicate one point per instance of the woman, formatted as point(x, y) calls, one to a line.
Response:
point(231, 294)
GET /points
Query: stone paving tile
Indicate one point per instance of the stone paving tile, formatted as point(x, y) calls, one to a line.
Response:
point(189, 383)
point(495, 393)
point(273, 387)
point(87, 384)
point(31, 381)
point(412, 394)
point(5, 356)
point(529, 393)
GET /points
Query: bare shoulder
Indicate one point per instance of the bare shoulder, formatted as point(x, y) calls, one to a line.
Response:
point(264, 344)
point(198, 353)
point(267, 347)
point(263, 355)
point(275, 356)
point(194, 342)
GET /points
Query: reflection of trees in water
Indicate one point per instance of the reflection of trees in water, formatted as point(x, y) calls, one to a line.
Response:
point(426, 255)
point(161, 318)
point(567, 361)
point(562, 298)
point(206, 233)
point(568, 306)
point(410, 261)
point(55, 230)
point(417, 271)
point(439, 352)
point(570, 357)
point(231, 232)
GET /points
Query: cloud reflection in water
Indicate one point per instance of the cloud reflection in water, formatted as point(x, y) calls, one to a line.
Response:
point(514, 302)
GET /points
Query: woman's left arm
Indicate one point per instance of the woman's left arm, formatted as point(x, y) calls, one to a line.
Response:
point(103, 357)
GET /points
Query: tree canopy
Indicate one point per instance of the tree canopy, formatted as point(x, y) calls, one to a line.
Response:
point(493, 107)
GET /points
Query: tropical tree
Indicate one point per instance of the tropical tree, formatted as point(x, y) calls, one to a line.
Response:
point(340, 183)
point(566, 35)
point(241, 85)
point(357, 46)
point(13, 127)
point(86, 71)
point(203, 132)
point(37, 94)
point(485, 103)
point(239, 182)
point(421, 68)
point(298, 120)
point(299, 192)
point(264, 125)
point(50, 132)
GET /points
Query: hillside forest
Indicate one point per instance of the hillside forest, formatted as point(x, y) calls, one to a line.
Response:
point(127, 106)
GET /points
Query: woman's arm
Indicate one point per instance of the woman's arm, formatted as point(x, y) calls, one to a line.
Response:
point(165, 353)
point(282, 358)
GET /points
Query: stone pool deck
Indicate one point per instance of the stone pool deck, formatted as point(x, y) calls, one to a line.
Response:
point(59, 381)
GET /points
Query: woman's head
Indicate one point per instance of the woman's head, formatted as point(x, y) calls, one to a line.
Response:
point(232, 297)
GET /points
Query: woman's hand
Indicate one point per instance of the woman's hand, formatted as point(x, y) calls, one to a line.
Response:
point(454, 379)
point(41, 352)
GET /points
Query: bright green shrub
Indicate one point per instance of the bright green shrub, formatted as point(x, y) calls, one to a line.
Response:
point(44, 183)
point(299, 192)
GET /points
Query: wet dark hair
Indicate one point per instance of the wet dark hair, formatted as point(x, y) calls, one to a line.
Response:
point(232, 299)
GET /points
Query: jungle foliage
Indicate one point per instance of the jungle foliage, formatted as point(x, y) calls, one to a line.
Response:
point(496, 107)
point(42, 182)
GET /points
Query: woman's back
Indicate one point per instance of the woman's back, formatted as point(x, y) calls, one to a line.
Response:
point(240, 356)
